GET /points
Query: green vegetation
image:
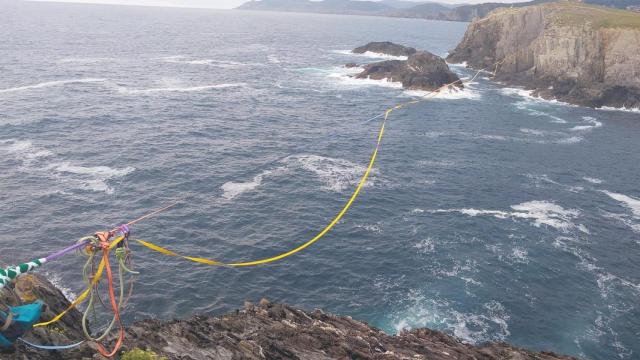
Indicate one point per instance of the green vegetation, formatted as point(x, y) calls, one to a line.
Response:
point(138, 354)
point(598, 16)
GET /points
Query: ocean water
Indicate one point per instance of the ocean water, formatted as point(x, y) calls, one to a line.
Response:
point(490, 214)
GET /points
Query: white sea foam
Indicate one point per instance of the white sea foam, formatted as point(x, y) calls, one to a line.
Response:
point(373, 228)
point(593, 180)
point(97, 171)
point(85, 60)
point(462, 134)
point(632, 203)
point(425, 246)
point(540, 212)
point(626, 220)
point(525, 105)
point(517, 92)
point(608, 108)
point(371, 55)
point(448, 93)
point(336, 174)
point(533, 132)
point(458, 268)
point(24, 150)
point(529, 97)
point(519, 255)
point(346, 76)
point(570, 140)
point(489, 324)
point(93, 178)
point(43, 162)
point(437, 163)
point(225, 64)
point(273, 59)
point(51, 84)
point(129, 91)
point(233, 189)
point(592, 121)
point(57, 281)
point(462, 64)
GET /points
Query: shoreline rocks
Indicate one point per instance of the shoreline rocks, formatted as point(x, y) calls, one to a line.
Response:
point(385, 47)
point(421, 71)
point(258, 331)
point(565, 51)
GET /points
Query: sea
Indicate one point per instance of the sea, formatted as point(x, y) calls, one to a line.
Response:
point(490, 214)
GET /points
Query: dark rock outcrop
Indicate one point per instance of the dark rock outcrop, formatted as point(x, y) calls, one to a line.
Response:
point(421, 71)
point(568, 51)
point(261, 331)
point(385, 47)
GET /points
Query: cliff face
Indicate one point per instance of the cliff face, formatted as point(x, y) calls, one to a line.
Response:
point(262, 331)
point(579, 54)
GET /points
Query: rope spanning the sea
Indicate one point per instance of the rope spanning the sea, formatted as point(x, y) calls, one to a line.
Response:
point(103, 243)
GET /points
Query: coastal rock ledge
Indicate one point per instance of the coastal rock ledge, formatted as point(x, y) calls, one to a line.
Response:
point(261, 331)
point(580, 54)
point(421, 70)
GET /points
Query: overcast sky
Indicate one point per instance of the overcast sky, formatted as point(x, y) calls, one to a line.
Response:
point(228, 4)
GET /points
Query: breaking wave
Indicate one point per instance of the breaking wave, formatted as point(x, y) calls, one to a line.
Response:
point(51, 84)
point(43, 162)
point(489, 323)
point(336, 174)
point(233, 189)
point(540, 212)
point(593, 180)
point(608, 108)
point(129, 91)
point(370, 54)
point(632, 203)
point(448, 93)
point(592, 121)
point(225, 64)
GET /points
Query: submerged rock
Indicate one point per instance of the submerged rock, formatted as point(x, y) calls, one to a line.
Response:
point(263, 331)
point(385, 47)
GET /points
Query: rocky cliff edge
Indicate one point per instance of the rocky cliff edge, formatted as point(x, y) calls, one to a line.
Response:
point(261, 331)
point(581, 54)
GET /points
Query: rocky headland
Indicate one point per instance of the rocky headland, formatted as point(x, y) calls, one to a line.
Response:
point(421, 70)
point(576, 53)
point(257, 331)
point(430, 10)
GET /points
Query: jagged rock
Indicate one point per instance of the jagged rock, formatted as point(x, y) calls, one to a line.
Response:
point(31, 287)
point(385, 47)
point(421, 71)
point(263, 331)
point(351, 65)
point(576, 53)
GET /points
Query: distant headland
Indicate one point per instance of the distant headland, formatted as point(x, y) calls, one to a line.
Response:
point(408, 9)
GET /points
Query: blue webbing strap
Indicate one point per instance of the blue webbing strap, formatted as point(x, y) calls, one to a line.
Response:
point(51, 347)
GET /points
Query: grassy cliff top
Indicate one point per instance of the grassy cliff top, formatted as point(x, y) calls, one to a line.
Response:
point(573, 13)
point(599, 16)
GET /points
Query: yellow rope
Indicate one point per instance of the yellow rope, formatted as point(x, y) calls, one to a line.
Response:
point(80, 299)
point(327, 228)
